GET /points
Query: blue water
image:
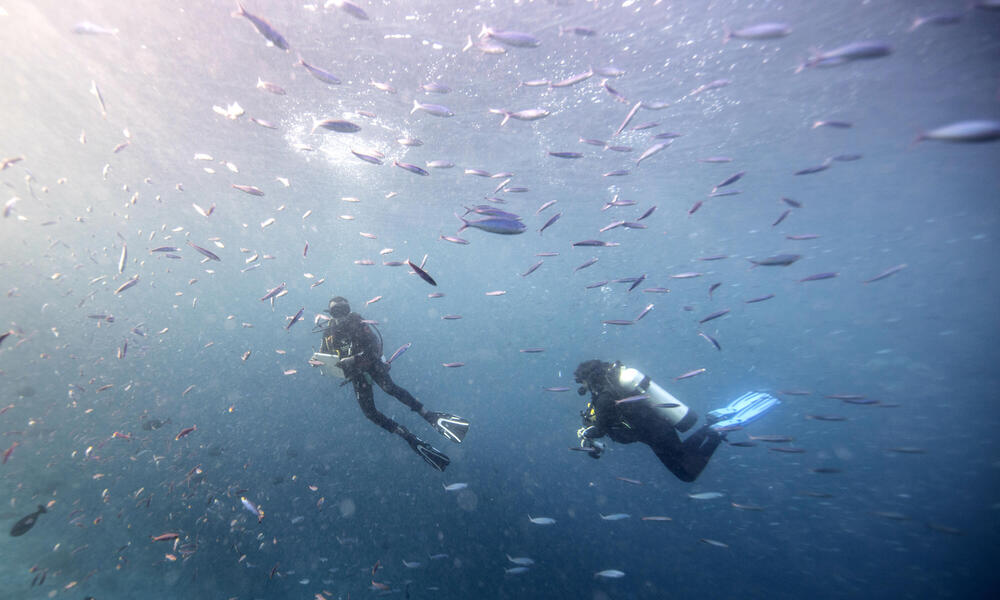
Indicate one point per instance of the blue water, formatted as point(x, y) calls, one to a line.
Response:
point(889, 524)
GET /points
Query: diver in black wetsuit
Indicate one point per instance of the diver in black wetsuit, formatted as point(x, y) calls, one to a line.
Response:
point(648, 414)
point(360, 351)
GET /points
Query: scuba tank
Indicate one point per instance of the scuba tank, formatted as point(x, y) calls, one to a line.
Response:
point(660, 400)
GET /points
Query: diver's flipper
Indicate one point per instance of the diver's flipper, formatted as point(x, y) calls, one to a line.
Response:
point(744, 410)
point(450, 426)
point(432, 455)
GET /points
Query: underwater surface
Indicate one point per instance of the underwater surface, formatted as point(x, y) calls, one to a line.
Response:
point(147, 388)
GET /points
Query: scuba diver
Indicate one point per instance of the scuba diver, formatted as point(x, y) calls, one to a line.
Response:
point(352, 351)
point(628, 407)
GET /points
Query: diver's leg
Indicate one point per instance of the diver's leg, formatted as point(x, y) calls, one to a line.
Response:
point(366, 400)
point(690, 459)
point(380, 375)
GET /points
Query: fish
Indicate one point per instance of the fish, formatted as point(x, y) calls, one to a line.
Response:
point(772, 438)
point(532, 268)
point(165, 537)
point(706, 495)
point(295, 319)
point(617, 322)
point(549, 223)
point(530, 114)
point(248, 189)
point(715, 315)
point(253, 508)
point(515, 570)
point(588, 264)
point(566, 154)
point(455, 487)
point(320, 74)
point(523, 561)
point(399, 352)
point(818, 277)
point(440, 164)
point(338, 125)
point(8, 452)
point(88, 28)
point(27, 522)
point(542, 520)
point(165, 249)
point(690, 374)
point(759, 299)
point(572, 79)
point(976, 131)
point(711, 85)
point(711, 340)
point(715, 543)
point(432, 109)
point(453, 365)
point(96, 91)
point(654, 149)
point(787, 450)
point(834, 124)
point(595, 243)
point(610, 574)
point(761, 31)
point(131, 282)
point(847, 53)
point(273, 88)
point(778, 260)
point(423, 274)
point(802, 236)
point(123, 258)
point(515, 39)
point(350, 8)
point(498, 225)
point(656, 518)
point(207, 253)
point(615, 516)
point(729, 180)
point(185, 431)
point(411, 168)
point(271, 293)
point(262, 27)
point(782, 217)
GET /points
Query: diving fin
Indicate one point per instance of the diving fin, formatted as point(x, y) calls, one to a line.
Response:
point(740, 412)
point(450, 426)
point(430, 454)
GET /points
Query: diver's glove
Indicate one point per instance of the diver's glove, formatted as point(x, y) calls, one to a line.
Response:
point(592, 447)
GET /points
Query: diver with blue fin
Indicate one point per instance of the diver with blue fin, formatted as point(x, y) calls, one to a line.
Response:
point(629, 407)
point(352, 351)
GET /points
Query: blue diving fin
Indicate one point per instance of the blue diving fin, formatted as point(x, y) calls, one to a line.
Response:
point(744, 410)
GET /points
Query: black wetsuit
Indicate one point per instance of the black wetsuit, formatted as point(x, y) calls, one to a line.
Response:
point(350, 337)
point(638, 422)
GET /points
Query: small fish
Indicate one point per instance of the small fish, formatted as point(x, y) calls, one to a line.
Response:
point(715, 543)
point(350, 8)
point(185, 431)
point(253, 508)
point(711, 340)
point(772, 438)
point(616, 517)
point(96, 91)
point(782, 217)
point(715, 315)
point(399, 352)
point(453, 365)
point(514, 39)
point(548, 223)
point(711, 85)
point(432, 109)
point(847, 53)
point(532, 269)
point(656, 518)
point(248, 189)
point(886, 273)
point(761, 31)
point(455, 487)
point(273, 88)
point(262, 27)
point(295, 319)
point(515, 570)
point(759, 299)
point(542, 520)
point(610, 574)
point(690, 374)
point(706, 495)
point(207, 253)
point(338, 125)
point(131, 282)
point(587, 264)
point(566, 154)
point(531, 114)
point(423, 274)
point(833, 124)
point(818, 277)
point(729, 180)
point(620, 322)
point(556, 389)
point(320, 74)
point(520, 560)
point(165, 537)
point(779, 260)
point(654, 149)
point(595, 244)
point(964, 132)
point(411, 168)
point(500, 225)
